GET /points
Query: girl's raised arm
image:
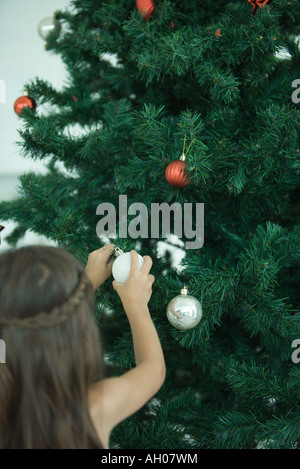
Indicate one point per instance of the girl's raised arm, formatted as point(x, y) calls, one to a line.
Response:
point(115, 399)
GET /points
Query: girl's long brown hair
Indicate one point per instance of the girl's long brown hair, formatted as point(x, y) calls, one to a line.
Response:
point(53, 350)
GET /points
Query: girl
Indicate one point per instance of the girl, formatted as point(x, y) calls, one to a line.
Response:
point(52, 390)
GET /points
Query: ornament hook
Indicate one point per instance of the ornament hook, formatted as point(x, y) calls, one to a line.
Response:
point(118, 251)
point(182, 158)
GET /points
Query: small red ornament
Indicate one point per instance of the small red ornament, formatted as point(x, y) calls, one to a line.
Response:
point(175, 173)
point(23, 101)
point(258, 3)
point(146, 8)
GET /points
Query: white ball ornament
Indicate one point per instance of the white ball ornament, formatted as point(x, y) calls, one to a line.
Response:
point(184, 311)
point(121, 266)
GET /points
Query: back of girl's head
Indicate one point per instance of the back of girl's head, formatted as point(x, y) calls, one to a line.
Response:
point(52, 350)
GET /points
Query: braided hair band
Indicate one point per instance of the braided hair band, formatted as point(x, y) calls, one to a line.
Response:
point(56, 316)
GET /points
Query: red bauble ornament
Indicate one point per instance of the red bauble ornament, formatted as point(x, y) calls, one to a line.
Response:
point(23, 101)
point(258, 3)
point(176, 174)
point(146, 8)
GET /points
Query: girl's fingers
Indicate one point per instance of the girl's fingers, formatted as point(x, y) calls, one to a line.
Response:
point(115, 285)
point(134, 261)
point(147, 264)
point(151, 278)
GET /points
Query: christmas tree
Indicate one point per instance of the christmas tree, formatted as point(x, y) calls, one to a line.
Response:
point(217, 82)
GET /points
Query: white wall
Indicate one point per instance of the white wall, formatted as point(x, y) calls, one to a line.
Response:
point(22, 58)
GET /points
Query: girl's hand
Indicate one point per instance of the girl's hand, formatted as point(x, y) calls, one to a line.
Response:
point(98, 269)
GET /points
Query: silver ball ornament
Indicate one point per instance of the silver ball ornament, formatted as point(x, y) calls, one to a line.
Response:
point(48, 27)
point(184, 311)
